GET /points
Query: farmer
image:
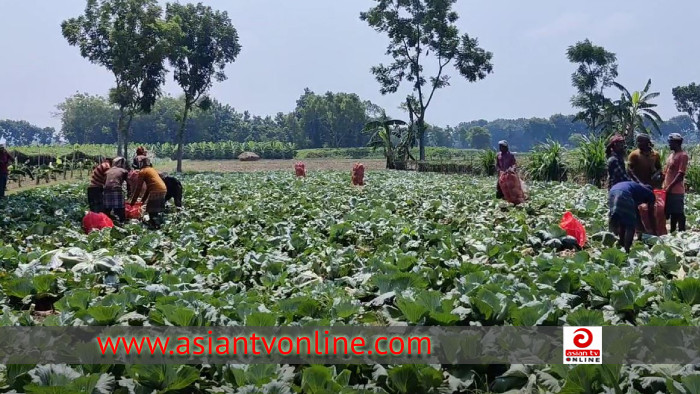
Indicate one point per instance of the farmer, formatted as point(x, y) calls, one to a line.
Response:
point(504, 161)
point(645, 163)
point(113, 192)
point(141, 153)
point(154, 197)
point(676, 167)
point(174, 187)
point(5, 161)
point(97, 184)
point(624, 200)
point(615, 151)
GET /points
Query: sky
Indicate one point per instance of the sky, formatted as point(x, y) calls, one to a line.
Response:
point(323, 45)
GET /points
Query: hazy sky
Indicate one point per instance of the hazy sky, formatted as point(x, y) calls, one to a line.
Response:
point(322, 44)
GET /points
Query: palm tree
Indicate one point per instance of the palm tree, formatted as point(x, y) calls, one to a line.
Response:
point(382, 132)
point(634, 111)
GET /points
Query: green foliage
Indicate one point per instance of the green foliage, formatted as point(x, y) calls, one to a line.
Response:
point(420, 28)
point(547, 163)
point(419, 249)
point(128, 38)
point(226, 150)
point(597, 70)
point(487, 159)
point(633, 111)
point(383, 134)
point(692, 177)
point(688, 101)
point(24, 133)
point(479, 138)
point(200, 46)
point(592, 160)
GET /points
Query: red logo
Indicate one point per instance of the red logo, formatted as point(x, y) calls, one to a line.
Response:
point(580, 338)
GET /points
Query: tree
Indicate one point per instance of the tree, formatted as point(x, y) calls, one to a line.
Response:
point(204, 43)
point(418, 29)
point(479, 137)
point(128, 38)
point(688, 101)
point(88, 119)
point(597, 70)
point(634, 110)
point(21, 133)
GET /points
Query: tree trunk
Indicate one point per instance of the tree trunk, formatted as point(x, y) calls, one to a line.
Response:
point(421, 139)
point(181, 136)
point(120, 131)
point(126, 138)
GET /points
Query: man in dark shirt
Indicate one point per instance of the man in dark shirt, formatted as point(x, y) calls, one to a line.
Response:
point(174, 189)
point(624, 200)
point(615, 151)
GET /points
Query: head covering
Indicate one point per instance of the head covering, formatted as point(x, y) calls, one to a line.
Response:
point(643, 137)
point(503, 143)
point(140, 151)
point(616, 138)
point(613, 140)
point(118, 162)
point(675, 137)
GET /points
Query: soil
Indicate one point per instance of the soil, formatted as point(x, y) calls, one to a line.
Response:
point(228, 166)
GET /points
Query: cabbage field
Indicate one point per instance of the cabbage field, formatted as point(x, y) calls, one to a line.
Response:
point(264, 249)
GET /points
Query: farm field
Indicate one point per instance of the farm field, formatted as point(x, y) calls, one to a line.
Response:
point(263, 248)
point(223, 166)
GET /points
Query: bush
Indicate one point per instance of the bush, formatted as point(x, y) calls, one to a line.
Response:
point(591, 160)
point(546, 162)
point(692, 178)
point(487, 160)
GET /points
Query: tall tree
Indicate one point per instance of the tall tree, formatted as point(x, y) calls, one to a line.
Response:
point(128, 38)
point(688, 101)
point(479, 137)
point(597, 70)
point(203, 44)
point(421, 31)
point(21, 132)
point(88, 119)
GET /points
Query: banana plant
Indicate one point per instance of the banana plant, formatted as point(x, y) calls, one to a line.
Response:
point(634, 109)
point(382, 132)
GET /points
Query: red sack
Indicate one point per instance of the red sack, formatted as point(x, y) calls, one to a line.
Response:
point(358, 174)
point(300, 169)
point(133, 211)
point(660, 214)
point(96, 221)
point(573, 228)
point(511, 187)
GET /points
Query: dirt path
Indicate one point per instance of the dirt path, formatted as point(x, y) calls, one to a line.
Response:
point(271, 165)
point(228, 166)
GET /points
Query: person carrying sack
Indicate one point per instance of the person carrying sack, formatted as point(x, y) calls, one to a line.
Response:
point(505, 161)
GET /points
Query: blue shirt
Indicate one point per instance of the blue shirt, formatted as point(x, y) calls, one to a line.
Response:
point(640, 194)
